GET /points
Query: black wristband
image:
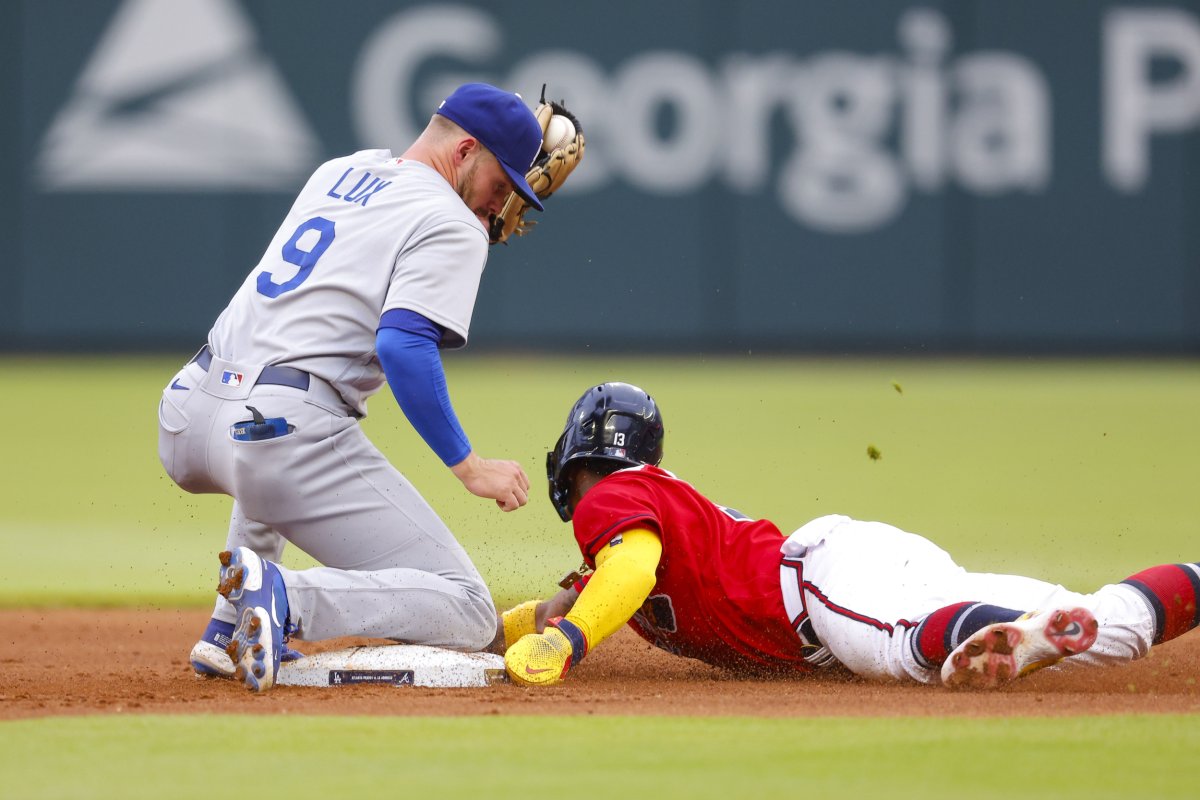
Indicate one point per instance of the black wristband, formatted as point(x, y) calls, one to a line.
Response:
point(574, 635)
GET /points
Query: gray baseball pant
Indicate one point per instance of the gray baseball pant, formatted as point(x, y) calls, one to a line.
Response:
point(391, 567)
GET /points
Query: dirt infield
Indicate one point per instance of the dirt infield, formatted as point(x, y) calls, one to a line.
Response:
point(70, 662)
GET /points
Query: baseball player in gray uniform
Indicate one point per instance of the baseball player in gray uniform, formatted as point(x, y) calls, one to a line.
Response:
point(375, 267)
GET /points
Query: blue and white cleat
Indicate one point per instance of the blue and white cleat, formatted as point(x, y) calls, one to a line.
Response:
point(208, 657)
point(255, 588)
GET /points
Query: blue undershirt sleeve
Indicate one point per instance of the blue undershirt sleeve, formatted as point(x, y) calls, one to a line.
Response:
point(407, 345)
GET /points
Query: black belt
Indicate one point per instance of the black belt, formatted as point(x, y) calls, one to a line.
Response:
point(275, 376)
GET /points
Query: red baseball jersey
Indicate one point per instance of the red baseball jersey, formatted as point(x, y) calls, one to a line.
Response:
point(717, 595)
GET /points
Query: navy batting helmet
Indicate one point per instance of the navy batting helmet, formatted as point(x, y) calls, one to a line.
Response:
point(612, 422)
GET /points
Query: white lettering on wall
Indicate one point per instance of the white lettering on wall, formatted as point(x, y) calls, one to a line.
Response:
point(861, 133)
point(1135, 105)
point(389, 60)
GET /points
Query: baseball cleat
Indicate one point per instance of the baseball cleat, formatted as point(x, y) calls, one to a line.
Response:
point(208, 657)
point(1001, 653)
point(255, 588)
point(210, 660)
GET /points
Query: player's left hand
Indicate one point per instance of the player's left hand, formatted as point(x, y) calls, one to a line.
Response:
point(549, 171)
point(519, 621)
point(541, 659)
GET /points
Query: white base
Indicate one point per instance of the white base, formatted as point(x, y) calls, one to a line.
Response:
point(394, 665)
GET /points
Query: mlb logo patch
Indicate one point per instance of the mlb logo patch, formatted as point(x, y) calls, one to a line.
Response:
point(231, 378)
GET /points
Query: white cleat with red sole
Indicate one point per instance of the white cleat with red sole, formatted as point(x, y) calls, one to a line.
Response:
point(1001, 653)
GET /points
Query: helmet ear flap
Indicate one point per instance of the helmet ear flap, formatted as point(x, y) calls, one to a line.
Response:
point(560, 490)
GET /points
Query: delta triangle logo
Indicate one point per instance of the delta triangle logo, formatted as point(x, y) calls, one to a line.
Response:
point(178, 97)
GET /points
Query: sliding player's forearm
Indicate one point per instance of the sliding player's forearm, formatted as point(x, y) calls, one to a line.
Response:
point(625, 575)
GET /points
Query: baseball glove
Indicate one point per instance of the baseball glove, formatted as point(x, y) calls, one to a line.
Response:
point(547, 174)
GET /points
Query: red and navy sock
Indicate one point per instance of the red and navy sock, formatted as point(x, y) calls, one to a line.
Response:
point(945, 629)
point(1172, 592)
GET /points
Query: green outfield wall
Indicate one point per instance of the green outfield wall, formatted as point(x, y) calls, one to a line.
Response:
point(806, 176)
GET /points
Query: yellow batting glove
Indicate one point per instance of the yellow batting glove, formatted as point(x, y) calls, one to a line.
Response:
point(519, 621)
point(542, 659)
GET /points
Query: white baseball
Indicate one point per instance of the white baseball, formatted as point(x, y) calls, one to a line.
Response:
point(559, 132)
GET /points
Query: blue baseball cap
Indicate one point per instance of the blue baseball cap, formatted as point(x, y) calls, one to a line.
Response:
point(503, 124)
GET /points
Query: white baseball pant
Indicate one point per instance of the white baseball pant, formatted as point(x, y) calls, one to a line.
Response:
point(865, 586)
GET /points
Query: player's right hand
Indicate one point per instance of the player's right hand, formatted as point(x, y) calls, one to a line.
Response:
point(502, 481)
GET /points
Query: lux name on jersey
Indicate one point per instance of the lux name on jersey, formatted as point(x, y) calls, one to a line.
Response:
point(359, 192)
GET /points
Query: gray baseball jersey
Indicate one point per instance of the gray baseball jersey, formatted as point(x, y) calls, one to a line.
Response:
point(367, 234)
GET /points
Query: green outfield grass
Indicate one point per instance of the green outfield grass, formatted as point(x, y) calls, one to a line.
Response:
point(1078, 472)
point(633, 757)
